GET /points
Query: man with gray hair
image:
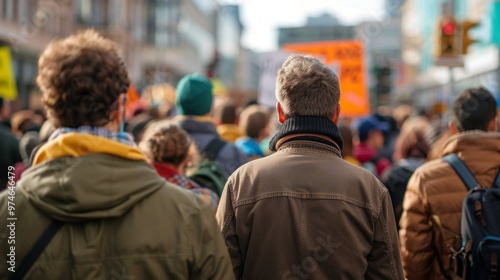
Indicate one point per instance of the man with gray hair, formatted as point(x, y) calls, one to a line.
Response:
point(303, 212)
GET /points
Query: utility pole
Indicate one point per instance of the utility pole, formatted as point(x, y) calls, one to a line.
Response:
point(448, 9)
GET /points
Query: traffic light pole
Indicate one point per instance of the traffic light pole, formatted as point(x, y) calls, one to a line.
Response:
point(452, 92)
point(498, 74)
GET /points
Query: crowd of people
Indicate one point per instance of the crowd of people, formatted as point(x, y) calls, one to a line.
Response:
point(198, 188)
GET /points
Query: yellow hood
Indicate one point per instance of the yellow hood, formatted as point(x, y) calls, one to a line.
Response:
point(78, 144)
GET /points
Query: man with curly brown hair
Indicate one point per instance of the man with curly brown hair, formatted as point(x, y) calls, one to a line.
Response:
point(109, 213)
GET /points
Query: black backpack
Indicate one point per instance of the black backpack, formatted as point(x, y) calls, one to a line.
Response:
point(479, 257)
point(208, 173)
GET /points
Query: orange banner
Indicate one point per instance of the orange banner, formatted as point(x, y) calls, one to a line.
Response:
point(346, 58)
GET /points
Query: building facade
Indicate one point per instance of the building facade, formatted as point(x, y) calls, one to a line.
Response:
point(430, 84)
point(320, 28)
point(26, 27)
point(160, 40)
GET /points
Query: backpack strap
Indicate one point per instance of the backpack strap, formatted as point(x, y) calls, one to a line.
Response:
point(462, 170)
point(496, 183)
point(33, 154)
point(213, 148)
point(437, 255)
point(36, 250)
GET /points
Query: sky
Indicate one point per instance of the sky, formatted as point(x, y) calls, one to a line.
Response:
point(261, 18)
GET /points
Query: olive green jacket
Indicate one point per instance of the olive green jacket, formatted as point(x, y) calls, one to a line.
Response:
point(121, 221)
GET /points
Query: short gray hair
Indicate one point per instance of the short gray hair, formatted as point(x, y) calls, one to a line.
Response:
point(307, 87)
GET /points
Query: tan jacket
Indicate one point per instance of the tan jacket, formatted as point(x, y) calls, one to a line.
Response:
point(121, 220)
point(304, 213)
point(433, 202)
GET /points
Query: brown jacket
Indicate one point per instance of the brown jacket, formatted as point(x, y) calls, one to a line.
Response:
point(304, 213)
point(433, 202)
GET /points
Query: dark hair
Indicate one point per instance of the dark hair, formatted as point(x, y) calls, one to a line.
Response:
point(226, 113)
point(474, 109)
point(1, 103)
point(81, 78)
point(347, 136)
point(253, 121)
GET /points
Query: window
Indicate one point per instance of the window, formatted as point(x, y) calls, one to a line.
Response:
point(10, 9)
point(93, 12)
point(163, 18)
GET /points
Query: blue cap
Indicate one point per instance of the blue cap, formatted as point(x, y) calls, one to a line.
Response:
point(366, 125)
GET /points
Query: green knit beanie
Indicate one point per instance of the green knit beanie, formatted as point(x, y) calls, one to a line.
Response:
point(194, 95)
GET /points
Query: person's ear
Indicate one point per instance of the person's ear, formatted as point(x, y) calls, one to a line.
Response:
point(453, 128)
point(281, 114)
point(336, 114)
point(493, 125)
point(119, 113)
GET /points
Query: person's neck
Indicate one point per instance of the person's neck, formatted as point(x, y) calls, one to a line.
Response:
point(112, 126)
point(319, 127)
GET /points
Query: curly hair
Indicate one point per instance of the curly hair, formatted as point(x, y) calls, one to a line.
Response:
point(81, 78)
point(167, 143)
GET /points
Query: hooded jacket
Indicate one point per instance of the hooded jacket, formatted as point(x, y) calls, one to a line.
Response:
point(120, 219)
point(432, 206)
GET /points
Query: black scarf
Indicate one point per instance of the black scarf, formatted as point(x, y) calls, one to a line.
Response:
point(309, 125)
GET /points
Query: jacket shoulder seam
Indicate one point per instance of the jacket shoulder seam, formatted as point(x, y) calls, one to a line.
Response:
point(307, 196)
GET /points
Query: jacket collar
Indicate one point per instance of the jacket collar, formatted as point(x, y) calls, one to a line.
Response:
point(310, 128)
point(298, 142)
point(194, 125)
point(472, 142)
point(78, 144)
point(165, 170)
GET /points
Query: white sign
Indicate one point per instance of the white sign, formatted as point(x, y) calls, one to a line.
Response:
point(270, 65)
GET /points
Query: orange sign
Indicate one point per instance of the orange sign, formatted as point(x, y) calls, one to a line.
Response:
point(346, 58)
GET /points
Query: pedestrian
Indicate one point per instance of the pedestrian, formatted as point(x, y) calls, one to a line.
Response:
point(371, 141)
point(226, 118)
point(432, 207)
point(347, 137)
point(194, 105)
point(254, 123)
point(9, 146)
point(101, 208)
point(303, 212)
point(410, 152)
point(171, 151)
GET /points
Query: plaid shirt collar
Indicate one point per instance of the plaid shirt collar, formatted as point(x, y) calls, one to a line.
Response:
point(123, 138)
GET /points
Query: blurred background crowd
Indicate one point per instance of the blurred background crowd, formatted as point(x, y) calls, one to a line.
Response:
point(404, 78)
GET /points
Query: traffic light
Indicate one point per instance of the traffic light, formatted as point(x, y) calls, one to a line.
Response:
point(466, 40)
point(448, 37)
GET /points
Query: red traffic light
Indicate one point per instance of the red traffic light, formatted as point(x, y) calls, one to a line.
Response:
point(448, 27)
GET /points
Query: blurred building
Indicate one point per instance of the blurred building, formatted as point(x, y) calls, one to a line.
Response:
point(249, 70)
point(229, 32)
point(321, 28)
point(383, 44)
point(237, 68)
point(160, 40)
point(27, 26)
point(429, 84)
point(383, 58)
